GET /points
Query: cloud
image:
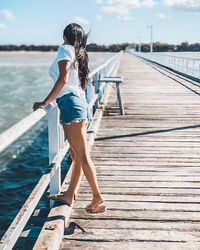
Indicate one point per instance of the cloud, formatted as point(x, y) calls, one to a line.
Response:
point(98, 17)
point(192, 5)
point(148, 3)
point(127, 18)
point(116, 9)
point(122, 8)
point(130, 3)
point(7, 14)
point(161, 15)
point(98, 1)
point(3, 26)
point(81, 20)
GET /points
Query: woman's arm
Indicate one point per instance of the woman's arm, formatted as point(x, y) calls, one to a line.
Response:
point(64, 70)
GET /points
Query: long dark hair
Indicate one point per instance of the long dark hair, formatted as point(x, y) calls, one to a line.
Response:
point(76, 37)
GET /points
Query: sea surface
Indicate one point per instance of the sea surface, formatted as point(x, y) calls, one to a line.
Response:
point(24, 80)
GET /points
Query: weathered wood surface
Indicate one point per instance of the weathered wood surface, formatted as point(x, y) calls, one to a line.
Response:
point(147, 164)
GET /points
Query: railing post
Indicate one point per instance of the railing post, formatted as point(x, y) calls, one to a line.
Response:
point(182, 64)
point(89, 93)
point(175, 63)
point(103, 72)
point(193, 67)
point(96, 86)
point(54, 134)
point(187, 69)
point(199, 71)
point(61, 137)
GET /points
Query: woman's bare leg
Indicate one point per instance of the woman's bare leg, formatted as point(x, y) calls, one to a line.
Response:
point(76, 134)
point(75, 178)
point(68, 195)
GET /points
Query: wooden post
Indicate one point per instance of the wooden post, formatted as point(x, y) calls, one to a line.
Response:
point(120, 98)
point(54, 134)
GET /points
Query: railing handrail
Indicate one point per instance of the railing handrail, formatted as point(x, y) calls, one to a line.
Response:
point(160, 54)
point(14, 132)
point(17, 225)
point(187, 66)
point(103, 65)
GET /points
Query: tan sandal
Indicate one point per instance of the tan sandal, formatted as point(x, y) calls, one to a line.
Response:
point(96, 210)
point(57, 199)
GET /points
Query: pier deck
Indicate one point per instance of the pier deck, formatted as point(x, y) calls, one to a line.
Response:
point(147, 165)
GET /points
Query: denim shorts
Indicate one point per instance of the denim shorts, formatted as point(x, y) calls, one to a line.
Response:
point(73, 108)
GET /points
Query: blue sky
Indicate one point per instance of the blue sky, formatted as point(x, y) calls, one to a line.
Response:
point(109, 21)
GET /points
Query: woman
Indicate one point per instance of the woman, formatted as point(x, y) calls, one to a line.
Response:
point(70, 73)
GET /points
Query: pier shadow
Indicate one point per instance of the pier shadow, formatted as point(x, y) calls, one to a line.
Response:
point(71, 228)
point(146, 133)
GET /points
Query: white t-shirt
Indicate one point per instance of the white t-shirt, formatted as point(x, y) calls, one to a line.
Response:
point(67, 52)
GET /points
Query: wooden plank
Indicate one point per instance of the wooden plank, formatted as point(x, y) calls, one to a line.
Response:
point(144, 191)
point(150, 178)
point(146, 205)
point(121, 245)
point(118, 162)
point(142, 173)
point(141, 198)
point(155, 215)
point(135, 225)
point(150, 184)
point(111, 150)
point(103, 234)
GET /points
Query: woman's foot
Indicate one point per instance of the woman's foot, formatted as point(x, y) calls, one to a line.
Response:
point(97, 209)
point(94, 207)
point(64, 197)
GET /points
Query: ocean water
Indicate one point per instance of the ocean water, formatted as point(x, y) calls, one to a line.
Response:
point(24, 80)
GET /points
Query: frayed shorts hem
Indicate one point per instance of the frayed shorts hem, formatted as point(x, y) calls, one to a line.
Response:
point(77, 121)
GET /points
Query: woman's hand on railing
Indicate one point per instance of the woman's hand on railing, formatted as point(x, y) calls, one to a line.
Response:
point(38, 105)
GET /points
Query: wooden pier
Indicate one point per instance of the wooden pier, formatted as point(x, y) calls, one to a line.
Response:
point(147, 164)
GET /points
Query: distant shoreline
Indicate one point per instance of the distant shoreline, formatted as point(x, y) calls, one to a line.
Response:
point(90, 52)
point(93, 47)
point(44, 52)
point(25, 52)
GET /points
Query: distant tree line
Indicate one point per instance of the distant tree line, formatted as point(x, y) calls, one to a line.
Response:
point(164, 47)
point(11, 47)
point(93, 47)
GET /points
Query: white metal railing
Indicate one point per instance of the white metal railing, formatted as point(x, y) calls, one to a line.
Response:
point(185, 65)
point(58, 147)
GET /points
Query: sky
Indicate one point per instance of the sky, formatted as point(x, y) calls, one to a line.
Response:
point(41, 22)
